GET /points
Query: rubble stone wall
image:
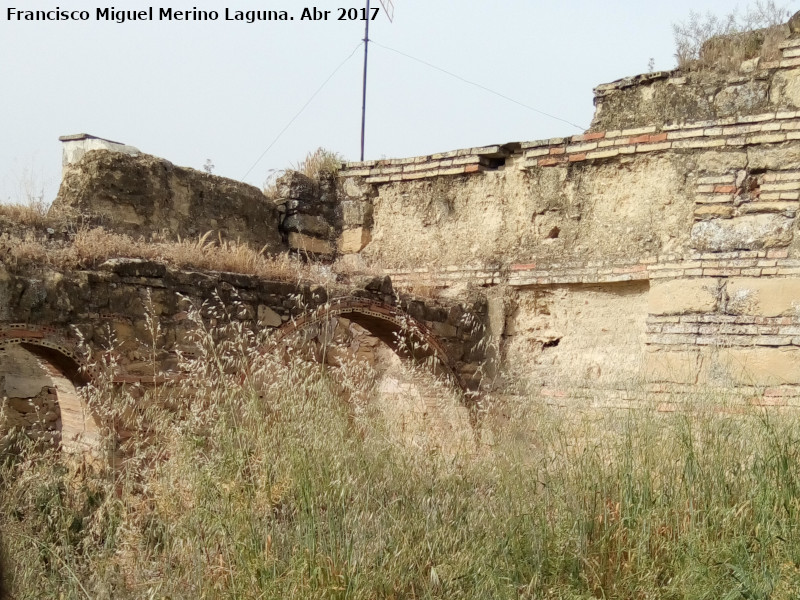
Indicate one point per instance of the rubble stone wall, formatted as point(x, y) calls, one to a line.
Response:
point(58, 325)
point(146, 196)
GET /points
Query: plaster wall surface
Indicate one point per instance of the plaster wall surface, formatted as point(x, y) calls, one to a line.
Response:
point(577, 336)
point(576, 212)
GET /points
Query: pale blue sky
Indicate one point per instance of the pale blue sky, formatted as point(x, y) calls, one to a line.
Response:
point(191, 91)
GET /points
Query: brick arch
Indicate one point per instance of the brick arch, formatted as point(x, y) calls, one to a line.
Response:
point(61, 360)
point(388, 323)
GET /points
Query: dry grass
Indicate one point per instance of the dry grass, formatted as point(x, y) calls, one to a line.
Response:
point(266, 483)
point(91, 247)
point(319, 163)
point(710, 42)
point(32, 214)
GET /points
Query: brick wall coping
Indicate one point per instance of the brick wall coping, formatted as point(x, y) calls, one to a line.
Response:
point(750, 263)
point(774, 127)
point(767, 128)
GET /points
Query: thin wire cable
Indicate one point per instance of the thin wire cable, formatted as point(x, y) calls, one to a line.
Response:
point(478, 85)
point(299, 112)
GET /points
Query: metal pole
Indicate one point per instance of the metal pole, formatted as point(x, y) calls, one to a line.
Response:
point(364, 93)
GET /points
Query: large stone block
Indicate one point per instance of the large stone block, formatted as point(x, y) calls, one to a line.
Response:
point(746, 98)
point(134, 267)
point(748, 232)
point(794, 24)
point(308, 224)
point(268, 317)
point(760, 366)
point(356, 187)
point(713, 211)
point(686, 367)
point(786, 87)
point(714, 161)
point(22, 387)
point(764, 297)
point(773, 157)
point(306, 243)
point(148, 196)
point(293, 185)
point(683, 296)
point(354, 240)
point(356, 212)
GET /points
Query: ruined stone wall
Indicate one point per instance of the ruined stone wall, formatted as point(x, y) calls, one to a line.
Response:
point(146, 196)
point(674, 97)
point(656, 252)
point(522, 212)
point(114, 302)
point(52, 318)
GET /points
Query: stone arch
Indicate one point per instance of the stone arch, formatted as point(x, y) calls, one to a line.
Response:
point(405, 335)
point(63, 366)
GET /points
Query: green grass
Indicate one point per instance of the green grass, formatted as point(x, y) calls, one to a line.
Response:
point(262, 481)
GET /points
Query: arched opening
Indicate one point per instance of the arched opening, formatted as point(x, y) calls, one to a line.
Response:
point(39, 382)
point(421, 407)
point(405, 335)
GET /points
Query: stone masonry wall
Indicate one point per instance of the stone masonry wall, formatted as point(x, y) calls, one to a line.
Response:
point(673, 97)
point(115, 301)
point(147, 196)
point(656, 252)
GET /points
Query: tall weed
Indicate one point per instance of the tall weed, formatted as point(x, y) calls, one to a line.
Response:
point(259, 479)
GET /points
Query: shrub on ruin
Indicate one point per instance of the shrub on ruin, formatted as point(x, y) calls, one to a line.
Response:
point(319, 164)
point(27, 206)
point(723, 42)
point(32, 213)
point(90, 247)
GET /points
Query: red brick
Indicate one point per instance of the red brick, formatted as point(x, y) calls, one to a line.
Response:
point(588, 137)
point(472, 168)
point(658, 137)
point(775, 392)
point(783, 253)
point(548, 162)
point(724, 189)
point(557, 150)
point(25, 333)
point(577, 157)
point(639, 139)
